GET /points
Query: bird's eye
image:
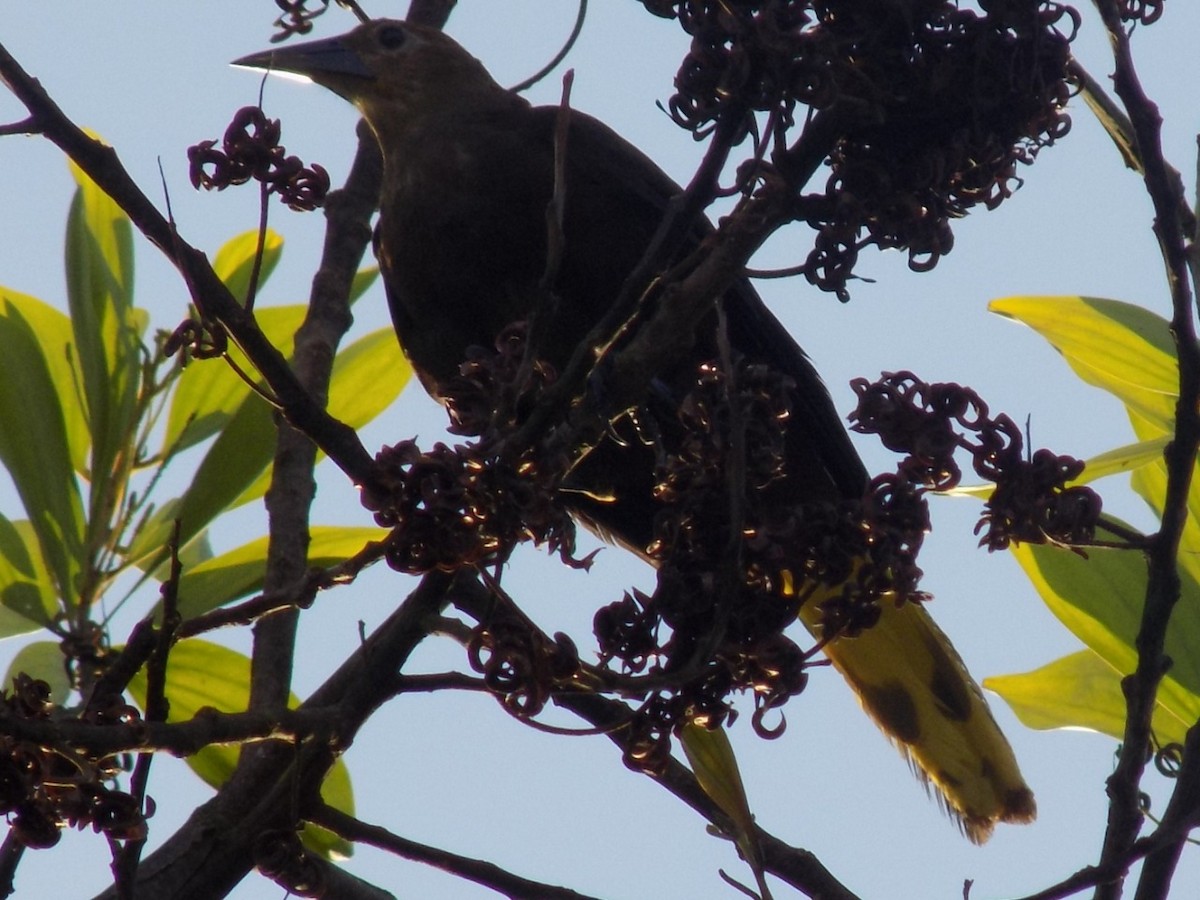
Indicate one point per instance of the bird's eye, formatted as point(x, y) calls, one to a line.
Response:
point(392, 36)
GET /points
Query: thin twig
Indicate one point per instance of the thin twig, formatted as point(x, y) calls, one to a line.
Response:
point(545, 70)
point(477, 870)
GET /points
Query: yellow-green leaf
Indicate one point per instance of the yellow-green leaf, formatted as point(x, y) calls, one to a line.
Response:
point(28, 600)
point(367, 376)
point(209, 392)
point(43, 660)
point(1100, 600)
point(715, 766)
point(108, 333)
point(1078, 691)
point(234, 262)
point(57, 341)
point(1125, 349)
point(363, 279)
point(34, 448)
point(241, 571)
point(202, 674)
point(1118, 461)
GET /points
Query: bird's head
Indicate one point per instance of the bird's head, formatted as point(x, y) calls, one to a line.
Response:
point(393, 71)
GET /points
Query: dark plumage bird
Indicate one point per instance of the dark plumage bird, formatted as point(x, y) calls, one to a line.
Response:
point(468, 173)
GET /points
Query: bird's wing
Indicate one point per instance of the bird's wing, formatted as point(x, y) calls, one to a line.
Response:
point(904, 670)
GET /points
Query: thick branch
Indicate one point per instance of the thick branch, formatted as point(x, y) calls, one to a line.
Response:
point(212, 851)
point(293, 484)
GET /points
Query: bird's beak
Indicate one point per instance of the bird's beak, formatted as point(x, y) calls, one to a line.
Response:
point(316, 60)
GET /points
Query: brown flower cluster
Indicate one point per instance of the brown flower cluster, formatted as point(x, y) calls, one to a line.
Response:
point(520, 665)
point(737, 555)
point(44, 789)
point(297, 17)
point(735, 566)
point(934, 107)
point(249, 150)
point(280, 856)
point(1146, 12)
point(467, 505)
point(1031, 503)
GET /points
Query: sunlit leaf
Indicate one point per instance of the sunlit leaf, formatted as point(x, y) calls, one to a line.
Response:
point(1100, 600)
point(34, 449)
point(201, 674)
point(27, 595)
point(99, 271)
point(1078, 691)
point(242, 450)
point(715, 766)
point(42, 660)
point(241, 571)
point(234, 262)
point(209, 392)
point(363, 279)
point(1119, 461)
point(57, 341)
point(1125, 349)
point(1150, 482)
point(367, 376)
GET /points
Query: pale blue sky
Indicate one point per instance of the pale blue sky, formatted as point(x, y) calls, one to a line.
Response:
point(152, 79)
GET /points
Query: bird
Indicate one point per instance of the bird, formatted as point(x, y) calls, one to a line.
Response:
point(461, 242)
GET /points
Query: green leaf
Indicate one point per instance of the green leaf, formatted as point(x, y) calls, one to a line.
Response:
point(337, 791)
point(363, 279)
point(57, 342)
point(202, 674)
point(34, 448)
point(715, 766)
point(1118, 461)
point(1100, 600)
point(1150, 482)
point(240, 572)
point(234, 262)
point(43, 660)
point(1125, 349)
point(209, 392)
point(1079, 691)
point(242, 450)
point(99, 270)
point(367, 376)
point(28, 600)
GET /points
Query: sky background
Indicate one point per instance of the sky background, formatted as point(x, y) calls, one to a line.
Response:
point(455, 771)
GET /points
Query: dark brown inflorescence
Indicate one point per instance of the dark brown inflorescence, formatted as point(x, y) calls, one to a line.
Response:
point(931, 106)
point(249, 150)
point(1033, 501)
point(44, 789)
point(736, 565)
point(1145, 12)
point(731, 560)
point(451, 507)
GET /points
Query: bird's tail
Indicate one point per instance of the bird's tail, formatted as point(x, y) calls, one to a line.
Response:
point(911, 681)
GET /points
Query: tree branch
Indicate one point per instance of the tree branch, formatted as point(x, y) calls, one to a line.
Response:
point(1125, 815)
point(479, 871)
point(212, 851)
